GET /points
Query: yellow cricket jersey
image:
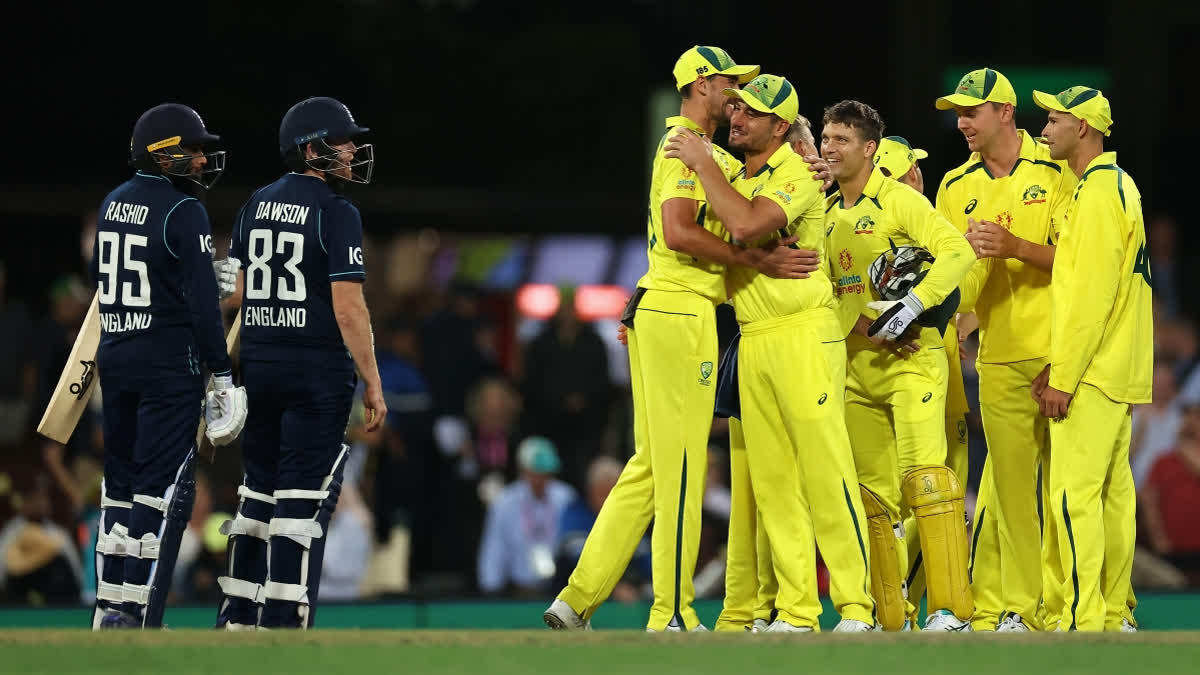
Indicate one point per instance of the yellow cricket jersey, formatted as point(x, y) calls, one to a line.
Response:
point(785, 180)
point(1010, 297)
point(670, 270)
point(889, 212)
point(1102, 326)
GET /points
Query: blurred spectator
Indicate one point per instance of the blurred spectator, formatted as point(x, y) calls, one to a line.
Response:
point(1155, 424)
point(577, 521)
point(1170, 498)
point(567, 387)
point(517, 552)
point(1162, 262)
point(38, 560)
point(347, 547)
point(18, 376)
point(477, 453)
point(450, 344)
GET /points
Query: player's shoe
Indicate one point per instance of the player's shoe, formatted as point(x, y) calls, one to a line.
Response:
point(115, 619)
point(781, 626)
point(560, 616)
point(674, 627)
point(1127, 627)
point(1013, 623)
point(944, 620)
point(853, 626)
point(759, 626)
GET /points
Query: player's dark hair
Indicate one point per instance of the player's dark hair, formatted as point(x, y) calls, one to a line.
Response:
point(686, 92)
point(857, 115)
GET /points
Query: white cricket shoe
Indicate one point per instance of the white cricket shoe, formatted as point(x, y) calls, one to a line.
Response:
point(1013, 623)
point(781, 626)
point(853, 626)
point(760, 626)
point(560, 616)
point(674, 627)
point(945, 621)
point(1127, 627)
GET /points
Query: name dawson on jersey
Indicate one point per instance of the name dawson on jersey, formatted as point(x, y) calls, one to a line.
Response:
point(113, 322)
point(121, 212)
point(282, 212)
point(276, 317)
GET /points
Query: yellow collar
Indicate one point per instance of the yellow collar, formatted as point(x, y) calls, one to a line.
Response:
point(778, 157)
point(1101, 160)
point(681, 121)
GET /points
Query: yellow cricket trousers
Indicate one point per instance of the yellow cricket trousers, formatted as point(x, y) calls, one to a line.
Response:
point(791, 374)
point(672, 363)
point(1092, 502)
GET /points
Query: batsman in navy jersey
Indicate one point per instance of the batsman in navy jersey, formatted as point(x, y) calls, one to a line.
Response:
point(305, 331)
point(160, 332)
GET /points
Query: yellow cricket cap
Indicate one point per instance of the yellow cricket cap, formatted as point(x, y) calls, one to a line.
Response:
point(897, 155)
point(770, 94)
point(978, 87)
point(1083, 102)
point(706, 61)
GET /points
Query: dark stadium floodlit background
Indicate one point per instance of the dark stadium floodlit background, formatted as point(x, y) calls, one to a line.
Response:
point(512, 155)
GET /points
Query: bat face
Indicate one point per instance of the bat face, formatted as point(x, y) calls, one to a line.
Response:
point(74, 388)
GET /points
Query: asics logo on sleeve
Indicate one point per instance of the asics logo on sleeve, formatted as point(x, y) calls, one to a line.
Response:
point(971, 206)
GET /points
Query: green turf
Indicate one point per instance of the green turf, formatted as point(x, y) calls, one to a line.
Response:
point(350, 652)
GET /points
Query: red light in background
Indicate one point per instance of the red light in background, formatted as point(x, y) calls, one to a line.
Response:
point(537, 301)
point(600, 302)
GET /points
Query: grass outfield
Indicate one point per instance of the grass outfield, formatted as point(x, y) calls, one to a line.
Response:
point(353, 652)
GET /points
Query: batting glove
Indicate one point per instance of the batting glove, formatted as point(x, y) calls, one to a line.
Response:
point(225, 409)
point(895, 316)
point(227, 273)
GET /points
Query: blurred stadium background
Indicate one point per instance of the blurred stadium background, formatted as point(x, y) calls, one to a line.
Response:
point(505, 229)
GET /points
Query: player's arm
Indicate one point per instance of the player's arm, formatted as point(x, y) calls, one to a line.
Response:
point(952, 253)
point(189, 238)
point(346, 277)
point(682, 234)
point(976, 278)
point(1087, 273)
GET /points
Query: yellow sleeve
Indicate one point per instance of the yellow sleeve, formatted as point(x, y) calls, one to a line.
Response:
point(676, 180)
point(976, 278)
point(953, 256)
point(1087, 272)
point(795, 194)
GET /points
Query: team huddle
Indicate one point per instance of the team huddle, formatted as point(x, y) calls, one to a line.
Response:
point(304, 332)
point(844, 387)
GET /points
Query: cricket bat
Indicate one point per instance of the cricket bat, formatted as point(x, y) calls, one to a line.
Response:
point(204, 447)
point(74, 388)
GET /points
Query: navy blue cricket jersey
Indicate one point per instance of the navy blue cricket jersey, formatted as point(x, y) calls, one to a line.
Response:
point(152, 264)
point(295, 237)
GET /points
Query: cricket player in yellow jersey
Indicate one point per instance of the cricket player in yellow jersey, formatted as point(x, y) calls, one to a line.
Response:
point(1101, 363)
point(672, 352)
point(896, 158)
point(895, 397)
point(750, 581)
point(791, 365)
point(1004, 197)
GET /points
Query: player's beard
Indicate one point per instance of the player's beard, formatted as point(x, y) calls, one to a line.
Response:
point(189, 187)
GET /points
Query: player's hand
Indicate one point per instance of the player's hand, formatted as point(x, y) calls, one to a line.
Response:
point(688, 148)
point(907, 344)
point(1039, 384)
point(623, 334)
point(991, 240)
point(895, 316)
point(777, 261)
point(225, 409)
point(227, 274)
point(1055, 403)
point(374, 407)
point(820, 169)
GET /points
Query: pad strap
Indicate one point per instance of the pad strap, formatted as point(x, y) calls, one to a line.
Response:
point(157, 503)
point(145, 548)
point(300, 530)
point(112, 543)
point(247, 526)
point(135, 593)
point(315, 495)
point(109, 592)
point(106, 503)
point(274, 590)
point(247, 493)
point(240, 588)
